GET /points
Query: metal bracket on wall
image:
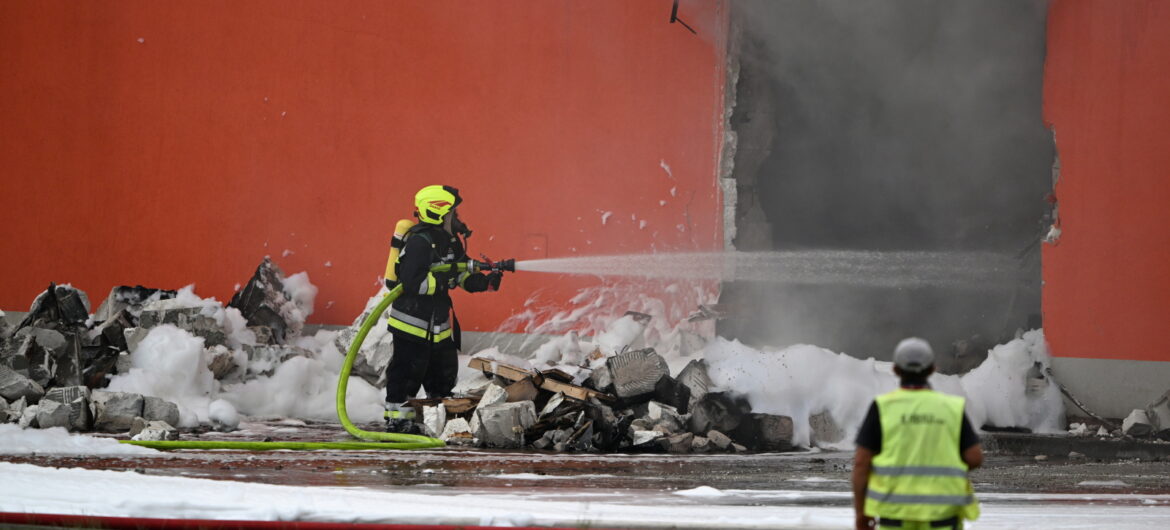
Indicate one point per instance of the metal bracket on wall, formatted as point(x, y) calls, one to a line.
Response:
point(674, 18)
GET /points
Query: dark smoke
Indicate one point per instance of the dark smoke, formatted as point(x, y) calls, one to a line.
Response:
point(891, 125)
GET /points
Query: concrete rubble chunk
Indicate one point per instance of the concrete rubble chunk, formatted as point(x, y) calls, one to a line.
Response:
point(263, 360)
point(261, 300)
point(28, 418)
point(14, 386)
point(77, 399)
point(503, 425)
point(635, 373)
point(1137, 424)
point(435, 419)
point(457, 432)
point(765, 432)
point(371, 360)
point(52, 414)
point(551, 405)
point(221, 361)
point(668, 390)
point(522, 390)
point(825, 429)
point(719, 440)
point(5, 328)
point(645, 437)
point(192, 319)
point(493, 395)
point(657, 411)
point(695, 378)
point(152, 430)
point(59, 305)
point(3, 412)
point(701, 444)
point(115, 411)
point(1158, 412)
point(158, 409)
point(601, 379)
point(677, 443)
point(80, 417)
point(717, 411)
point(16, 409)
point(123, 297)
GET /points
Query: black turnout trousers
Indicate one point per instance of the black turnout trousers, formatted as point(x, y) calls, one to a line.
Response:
point(434, 367)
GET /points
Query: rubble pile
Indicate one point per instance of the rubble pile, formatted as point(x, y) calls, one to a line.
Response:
point(626, 401)
point(56, 362)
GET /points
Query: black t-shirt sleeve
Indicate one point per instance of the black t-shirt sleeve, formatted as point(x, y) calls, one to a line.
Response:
point(967, 436)
point(870, 434)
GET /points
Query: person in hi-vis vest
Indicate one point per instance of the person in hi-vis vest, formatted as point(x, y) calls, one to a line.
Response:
point(914, 450)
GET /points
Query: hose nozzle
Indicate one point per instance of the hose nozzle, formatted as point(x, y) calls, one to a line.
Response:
point(487, 265)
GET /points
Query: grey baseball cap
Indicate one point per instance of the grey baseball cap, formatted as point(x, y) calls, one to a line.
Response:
point(913, 355)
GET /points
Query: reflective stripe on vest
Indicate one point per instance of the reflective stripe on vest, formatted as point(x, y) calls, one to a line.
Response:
point(417, 326)
point(919, 475)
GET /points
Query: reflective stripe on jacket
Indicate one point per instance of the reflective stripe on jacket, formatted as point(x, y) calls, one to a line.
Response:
point(423, 311)
point(920, 474)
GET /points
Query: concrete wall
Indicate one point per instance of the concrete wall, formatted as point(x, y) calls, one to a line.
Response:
point(1107, 275)
point(165, 143)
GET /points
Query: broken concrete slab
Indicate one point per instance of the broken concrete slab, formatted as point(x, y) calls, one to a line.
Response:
point(14, 386)
point(503, 425)
point(635, 373)
point(262, 299)
point(52, 414)
point(1137, 424)
point(115, 411)
point(158, 409)
point(152, 430)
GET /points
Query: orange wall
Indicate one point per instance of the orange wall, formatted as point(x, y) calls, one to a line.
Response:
point(1107, 96)
point(165, 143)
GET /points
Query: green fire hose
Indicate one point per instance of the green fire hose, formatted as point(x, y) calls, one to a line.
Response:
point(376, 440)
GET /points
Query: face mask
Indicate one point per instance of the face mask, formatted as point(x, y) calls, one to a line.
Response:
point(458, 227)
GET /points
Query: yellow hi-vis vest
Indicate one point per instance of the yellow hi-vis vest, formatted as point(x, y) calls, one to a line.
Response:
point(920, 475)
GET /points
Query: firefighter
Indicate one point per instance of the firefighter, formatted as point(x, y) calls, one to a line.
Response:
point(914, 450)
point(421, 320)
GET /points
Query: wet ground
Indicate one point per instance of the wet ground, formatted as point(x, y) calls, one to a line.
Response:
point(606, 475)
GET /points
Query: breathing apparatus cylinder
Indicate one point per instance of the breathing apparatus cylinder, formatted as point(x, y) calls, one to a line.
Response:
point(396, 245)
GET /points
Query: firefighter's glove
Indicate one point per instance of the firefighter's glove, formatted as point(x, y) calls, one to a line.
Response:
point(494, 280)
point(476, 283)
point(451, 277)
